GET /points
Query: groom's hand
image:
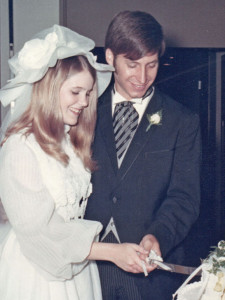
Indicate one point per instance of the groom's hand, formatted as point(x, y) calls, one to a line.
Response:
point(150, 242)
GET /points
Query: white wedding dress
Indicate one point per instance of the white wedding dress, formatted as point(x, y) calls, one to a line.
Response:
point(43, 256)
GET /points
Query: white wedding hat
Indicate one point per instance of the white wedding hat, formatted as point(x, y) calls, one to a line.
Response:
point(31, 63)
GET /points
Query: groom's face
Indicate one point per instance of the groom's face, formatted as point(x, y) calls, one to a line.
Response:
point(133, 77)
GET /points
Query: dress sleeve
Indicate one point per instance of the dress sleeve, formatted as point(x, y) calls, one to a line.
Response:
point(56, 248)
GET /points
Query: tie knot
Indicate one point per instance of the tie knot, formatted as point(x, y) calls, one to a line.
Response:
point(123, 107)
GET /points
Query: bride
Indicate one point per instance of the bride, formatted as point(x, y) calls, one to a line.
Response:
point(49, 250)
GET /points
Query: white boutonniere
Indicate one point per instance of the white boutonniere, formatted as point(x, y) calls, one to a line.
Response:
point(154, 119)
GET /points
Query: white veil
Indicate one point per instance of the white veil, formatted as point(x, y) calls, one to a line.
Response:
point(31, 63)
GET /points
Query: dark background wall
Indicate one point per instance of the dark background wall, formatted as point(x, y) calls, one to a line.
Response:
point(187, 23)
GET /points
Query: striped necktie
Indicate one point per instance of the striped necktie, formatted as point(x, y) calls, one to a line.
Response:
point(125, 122)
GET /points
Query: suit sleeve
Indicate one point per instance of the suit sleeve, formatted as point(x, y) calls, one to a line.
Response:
point(180, 208)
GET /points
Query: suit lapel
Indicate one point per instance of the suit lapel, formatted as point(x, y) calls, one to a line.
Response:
point(139, 140)
point(141, 136)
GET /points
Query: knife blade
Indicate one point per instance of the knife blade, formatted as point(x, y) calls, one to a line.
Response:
point(179, 269)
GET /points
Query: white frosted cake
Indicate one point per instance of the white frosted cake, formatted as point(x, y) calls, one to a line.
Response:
point(212, 283)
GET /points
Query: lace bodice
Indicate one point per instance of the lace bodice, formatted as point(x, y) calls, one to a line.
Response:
point(69, 186)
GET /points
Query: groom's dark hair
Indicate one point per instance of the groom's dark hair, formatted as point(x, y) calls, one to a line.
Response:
point(134, 33)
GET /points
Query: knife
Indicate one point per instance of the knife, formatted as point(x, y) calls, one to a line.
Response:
point(155, 259)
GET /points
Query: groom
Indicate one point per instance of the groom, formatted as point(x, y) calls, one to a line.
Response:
point(147, 146)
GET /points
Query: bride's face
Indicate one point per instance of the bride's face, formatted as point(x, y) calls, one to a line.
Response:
point(74, 96)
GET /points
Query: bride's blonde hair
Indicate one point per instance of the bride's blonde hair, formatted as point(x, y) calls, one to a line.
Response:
point(44, 118)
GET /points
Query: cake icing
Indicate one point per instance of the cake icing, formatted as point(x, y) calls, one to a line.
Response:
point(212, 283)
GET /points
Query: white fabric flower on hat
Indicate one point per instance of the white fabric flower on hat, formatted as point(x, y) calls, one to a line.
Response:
point(36, 53)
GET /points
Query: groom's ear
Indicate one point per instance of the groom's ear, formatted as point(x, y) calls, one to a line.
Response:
point(109, 57)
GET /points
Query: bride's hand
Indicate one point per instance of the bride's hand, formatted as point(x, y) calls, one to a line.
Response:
point(127, 257)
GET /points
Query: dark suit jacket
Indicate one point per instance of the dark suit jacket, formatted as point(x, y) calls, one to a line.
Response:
point(156, 190)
